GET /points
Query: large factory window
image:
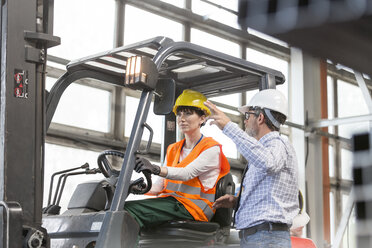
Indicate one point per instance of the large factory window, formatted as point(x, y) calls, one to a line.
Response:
point(59, 158)
point(84, 107)
point(141, 25)
point(271, 62)
point(219, 44)
point(155, 121)
point(351, 103)
point(219, 10)
point(83, 26)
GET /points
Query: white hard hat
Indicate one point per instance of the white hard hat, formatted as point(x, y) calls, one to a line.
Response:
point(270, 99)
point(300, 220)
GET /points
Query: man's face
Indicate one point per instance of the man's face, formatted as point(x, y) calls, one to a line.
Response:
point(251, 126)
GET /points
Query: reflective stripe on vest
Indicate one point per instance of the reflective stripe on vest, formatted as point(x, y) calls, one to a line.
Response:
point(190, 190)
point(200, 203)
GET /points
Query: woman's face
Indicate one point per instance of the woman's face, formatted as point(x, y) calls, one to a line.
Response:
point(188, 121)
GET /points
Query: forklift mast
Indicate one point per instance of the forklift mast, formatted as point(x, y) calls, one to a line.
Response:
point(26, 33)
point(26, 110)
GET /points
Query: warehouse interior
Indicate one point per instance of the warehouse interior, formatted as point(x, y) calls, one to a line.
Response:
point(327, 84)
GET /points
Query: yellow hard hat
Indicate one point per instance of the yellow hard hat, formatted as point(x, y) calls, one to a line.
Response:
point(191, 98)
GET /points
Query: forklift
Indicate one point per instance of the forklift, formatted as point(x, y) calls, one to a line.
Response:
point(161, 69)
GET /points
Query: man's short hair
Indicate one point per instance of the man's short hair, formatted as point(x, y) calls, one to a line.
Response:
point(278, 116)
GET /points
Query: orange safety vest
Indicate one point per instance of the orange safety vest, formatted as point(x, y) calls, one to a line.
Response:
point(191, 193)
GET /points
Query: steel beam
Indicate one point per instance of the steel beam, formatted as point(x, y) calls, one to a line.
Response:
point(119, 23)
point(347, 76)
point(314, 175)
point(25, 37)
point(339, 121)
point(363, 86)
point(297, 114)
point(21, 126)
point(325, 152)
point(305, 99)
point(344, 220)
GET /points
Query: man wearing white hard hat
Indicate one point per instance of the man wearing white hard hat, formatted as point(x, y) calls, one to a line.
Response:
point(268, 200)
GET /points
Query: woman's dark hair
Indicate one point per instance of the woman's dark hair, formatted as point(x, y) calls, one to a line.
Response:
point(196, 110)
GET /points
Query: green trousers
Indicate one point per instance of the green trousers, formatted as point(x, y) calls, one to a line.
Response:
point(156, 211)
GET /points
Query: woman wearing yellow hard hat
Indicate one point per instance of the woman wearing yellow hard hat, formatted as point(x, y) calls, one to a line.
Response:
point(191, 171)
point(193, 99)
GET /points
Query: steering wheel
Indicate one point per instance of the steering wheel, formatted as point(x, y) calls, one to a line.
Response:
point(137, 186)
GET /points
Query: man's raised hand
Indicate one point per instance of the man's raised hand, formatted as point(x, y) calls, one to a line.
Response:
point(217, 116)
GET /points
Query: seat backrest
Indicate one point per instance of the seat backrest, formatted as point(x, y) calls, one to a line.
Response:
point(89, 195)
point(225, 185)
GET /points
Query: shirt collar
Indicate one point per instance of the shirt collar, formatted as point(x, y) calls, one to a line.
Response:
point(269, 136)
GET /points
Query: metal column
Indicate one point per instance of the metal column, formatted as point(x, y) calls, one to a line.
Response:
point(23, 51)
point(297, 113)
point(305, 98)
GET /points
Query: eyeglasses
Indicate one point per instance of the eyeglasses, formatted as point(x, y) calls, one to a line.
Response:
point(249, 113)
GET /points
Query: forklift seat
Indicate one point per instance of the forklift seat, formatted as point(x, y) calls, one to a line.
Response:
point(219, 226)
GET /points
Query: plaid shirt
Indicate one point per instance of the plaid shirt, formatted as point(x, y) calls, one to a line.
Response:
point(270, 187)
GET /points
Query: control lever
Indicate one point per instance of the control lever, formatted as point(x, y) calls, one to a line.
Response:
point(84, 166)
point(54, 208)
point(87, 171)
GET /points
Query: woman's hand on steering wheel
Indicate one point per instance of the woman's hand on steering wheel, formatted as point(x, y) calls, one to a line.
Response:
point(137, 186)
